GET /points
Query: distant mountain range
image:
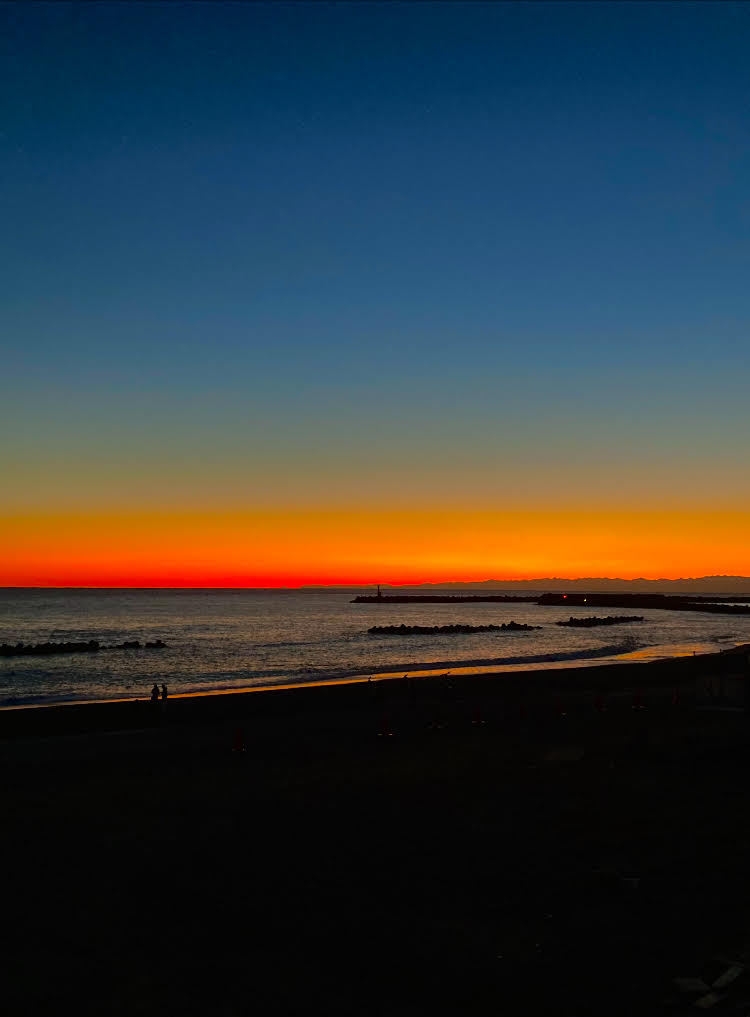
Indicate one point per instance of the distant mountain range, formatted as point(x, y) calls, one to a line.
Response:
point(703, 584)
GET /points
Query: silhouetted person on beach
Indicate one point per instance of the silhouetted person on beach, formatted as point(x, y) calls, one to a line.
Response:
point(163, 698)
point(155, 693)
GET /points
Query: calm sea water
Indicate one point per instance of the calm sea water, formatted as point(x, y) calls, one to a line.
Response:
point(235, 639)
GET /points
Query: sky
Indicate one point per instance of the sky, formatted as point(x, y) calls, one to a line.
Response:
point(377, 292)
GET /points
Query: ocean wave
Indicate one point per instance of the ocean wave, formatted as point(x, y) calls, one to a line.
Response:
point(269, 678)
point(387, 667)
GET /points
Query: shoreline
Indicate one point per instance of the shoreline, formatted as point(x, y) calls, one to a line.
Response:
point(418, 670)
point(527, 685)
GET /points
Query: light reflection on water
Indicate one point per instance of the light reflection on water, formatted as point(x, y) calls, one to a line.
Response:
point(239, 639)
point(648, 653)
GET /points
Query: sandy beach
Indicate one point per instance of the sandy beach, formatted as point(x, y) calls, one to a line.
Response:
point(473, 846)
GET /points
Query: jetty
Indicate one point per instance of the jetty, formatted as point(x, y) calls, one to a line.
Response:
point(430, 598)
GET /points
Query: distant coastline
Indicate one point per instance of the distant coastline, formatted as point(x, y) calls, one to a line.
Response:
point(700, 585)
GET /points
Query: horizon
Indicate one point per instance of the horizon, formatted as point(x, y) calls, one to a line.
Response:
point(304, 293)
point(736, 579)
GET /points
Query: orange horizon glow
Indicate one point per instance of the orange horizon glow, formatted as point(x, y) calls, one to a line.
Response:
point(289, 548)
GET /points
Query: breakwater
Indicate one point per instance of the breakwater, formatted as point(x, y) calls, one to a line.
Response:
point(91, 646)
point(450, 630)
point(592, 621)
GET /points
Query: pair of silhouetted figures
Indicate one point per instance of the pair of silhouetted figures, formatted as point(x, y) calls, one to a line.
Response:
point(155, 695)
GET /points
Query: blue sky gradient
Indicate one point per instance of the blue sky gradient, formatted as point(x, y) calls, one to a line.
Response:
point(307, 252)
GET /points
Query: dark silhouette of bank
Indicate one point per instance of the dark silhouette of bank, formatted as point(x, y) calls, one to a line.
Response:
point(660, 601)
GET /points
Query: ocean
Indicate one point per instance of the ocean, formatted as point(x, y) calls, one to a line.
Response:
point(234, 639)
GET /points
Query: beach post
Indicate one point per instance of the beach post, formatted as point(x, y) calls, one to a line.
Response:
point(600, 704)
point(638, 703)
point(238, 743)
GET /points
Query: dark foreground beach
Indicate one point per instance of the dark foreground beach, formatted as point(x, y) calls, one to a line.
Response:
point(560, 843)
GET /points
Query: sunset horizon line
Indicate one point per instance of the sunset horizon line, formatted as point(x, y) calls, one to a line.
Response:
point(311, 583)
